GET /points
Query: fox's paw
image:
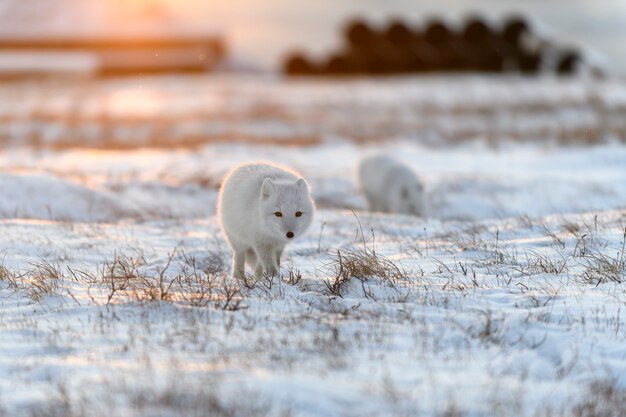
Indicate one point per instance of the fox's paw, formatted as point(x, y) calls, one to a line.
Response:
point(272, 271)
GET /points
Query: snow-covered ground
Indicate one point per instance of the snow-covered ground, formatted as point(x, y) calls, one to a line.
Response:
point(506, 300)
point(190, 111)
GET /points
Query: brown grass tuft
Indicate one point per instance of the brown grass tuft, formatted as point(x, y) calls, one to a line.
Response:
point(362, 264)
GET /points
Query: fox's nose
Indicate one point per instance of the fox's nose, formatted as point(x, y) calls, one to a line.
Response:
point(289, 235)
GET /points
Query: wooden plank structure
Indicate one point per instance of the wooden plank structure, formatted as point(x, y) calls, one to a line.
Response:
point(109, 55)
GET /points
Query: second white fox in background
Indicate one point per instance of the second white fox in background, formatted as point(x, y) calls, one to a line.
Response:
point(390, 186)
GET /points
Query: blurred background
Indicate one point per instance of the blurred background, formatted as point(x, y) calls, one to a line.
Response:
point(147, 103)
point(258, 35)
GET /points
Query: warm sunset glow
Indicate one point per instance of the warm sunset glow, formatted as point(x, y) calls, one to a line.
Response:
point(143, 5)
point(134, 103)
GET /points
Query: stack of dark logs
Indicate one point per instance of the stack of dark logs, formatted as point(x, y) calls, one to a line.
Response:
point(477, 47)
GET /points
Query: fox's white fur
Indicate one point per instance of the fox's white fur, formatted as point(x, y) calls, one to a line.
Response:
point(250, 200)
point(390, 186)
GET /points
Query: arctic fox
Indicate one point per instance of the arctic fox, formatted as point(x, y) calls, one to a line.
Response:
point(261, 207)
point(391, 186)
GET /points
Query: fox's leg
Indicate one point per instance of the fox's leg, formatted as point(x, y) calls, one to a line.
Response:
point(253, 261)
point(258, 271)
point(267, 262)
point(372, 201)
point(251, 258)
point(279, 254)
point(382, 205)
point(375, 204)
point(238, 262)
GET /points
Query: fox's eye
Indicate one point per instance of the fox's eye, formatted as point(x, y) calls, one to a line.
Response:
point(298, 213)
point(278, 214)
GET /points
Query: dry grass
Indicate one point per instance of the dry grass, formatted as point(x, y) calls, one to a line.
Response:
point(176, 398)
point(125, 275)
point(361, 264)
point(540, 263)
point(202, 287)
point(603, 398)
point(129, 278)
point(557, 239)
point(122, 275)
point(602, 268)
point(5, 274)
point(488, 331)
point(294, 277)
point(40, 280)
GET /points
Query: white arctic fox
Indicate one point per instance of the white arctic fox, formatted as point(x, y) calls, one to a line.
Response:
point(391, 186)
point(262, 207)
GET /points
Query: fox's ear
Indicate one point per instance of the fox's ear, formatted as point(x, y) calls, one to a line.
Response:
point(301, 184)
point(267, 188)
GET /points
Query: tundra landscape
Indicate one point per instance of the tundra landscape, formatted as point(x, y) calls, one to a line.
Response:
point(504, 299)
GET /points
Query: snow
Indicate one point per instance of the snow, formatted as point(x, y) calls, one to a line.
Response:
point(500, 302)
point(470, 182)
